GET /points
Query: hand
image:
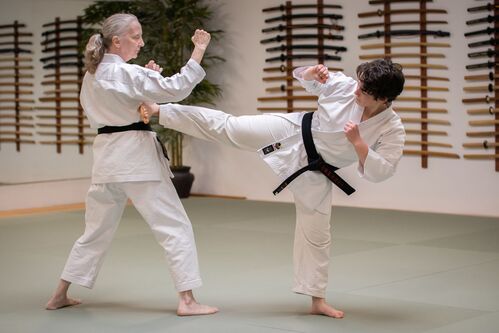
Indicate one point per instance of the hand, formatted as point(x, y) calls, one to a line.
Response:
point(318, 73)
point(147, 110)
point(201, 39)
point(154, 66)
point(352, 132)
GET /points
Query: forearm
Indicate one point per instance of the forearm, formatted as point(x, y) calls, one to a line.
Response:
point(362, 149)
point(197, 54)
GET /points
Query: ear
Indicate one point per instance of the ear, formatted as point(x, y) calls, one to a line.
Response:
point(115, 41)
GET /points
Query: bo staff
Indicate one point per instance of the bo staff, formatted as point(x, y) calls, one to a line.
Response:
point(21, 76)
point(487, 99)
point(305, 15)
point(63, 64)
point(16, 133)
point(16, 84)
point(283, 7)
point(407, 32)
point(484, 144)
point(382, 24)
point(16, 100)
point(284, 57)
point(430, 153)
point(60, 108)
point(66, 134)
point(59, 99)
point(58, 31)
point(3, 68)
point(481, 156)
point(16, 124)
point(19, 59)
point(287, 109)
point(428, 132)
point(277, 78)
point(426, 110)
point(402, 55)
point(481, 134)
point(18, 43)
point(419, 77)
point(428, 66)
point(490, 110)
point(63, 125)
point(287, 98)
point(484, 77)
point(43, 116)
point(62, 91)
point(280, 38)
point(487, 122)
point(62, 74)
point(380, 12)
point(11, 116)
point(13, 108)
point(306, 47)
point(61, 82)
point(282, 27)
point(425, 121)
point(59, 142)
point(426, 88)
point(419, 99)
point(19, 34)
point(489, 88)
point(284, 88)
point(403, 44)
point(15, 50)
point(60, 39)
point(427, 143)
point(17, 140)
point(20, 92)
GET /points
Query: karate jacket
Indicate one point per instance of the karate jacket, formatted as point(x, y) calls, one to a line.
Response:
point(384, 134)
point(110, 97)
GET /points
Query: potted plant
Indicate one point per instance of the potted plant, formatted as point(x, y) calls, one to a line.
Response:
point(167, 27)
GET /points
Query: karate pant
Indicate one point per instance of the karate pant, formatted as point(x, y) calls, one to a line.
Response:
point(312, 235)
point(159, 205)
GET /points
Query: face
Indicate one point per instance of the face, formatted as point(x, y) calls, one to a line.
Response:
point(129, 44)
point(367, 101)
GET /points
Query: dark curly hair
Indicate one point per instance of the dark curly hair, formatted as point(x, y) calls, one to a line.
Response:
point(381, 78)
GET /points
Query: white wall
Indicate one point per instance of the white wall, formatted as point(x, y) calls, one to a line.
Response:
point(461, 186)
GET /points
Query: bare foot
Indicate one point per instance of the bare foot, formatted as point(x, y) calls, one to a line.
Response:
point(187, 305)
point(56, 303)
point(320, 307)
point(195, 309)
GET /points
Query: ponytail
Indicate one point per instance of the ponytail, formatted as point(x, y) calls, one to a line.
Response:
point(94, 52)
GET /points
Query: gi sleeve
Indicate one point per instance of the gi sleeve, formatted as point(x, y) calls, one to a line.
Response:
point(383, 156)
point(153, 87)
point(335, 83)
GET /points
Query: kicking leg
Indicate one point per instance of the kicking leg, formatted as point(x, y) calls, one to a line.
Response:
point(250, 132)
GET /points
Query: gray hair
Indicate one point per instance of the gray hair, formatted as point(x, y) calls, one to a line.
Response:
point(98, 44)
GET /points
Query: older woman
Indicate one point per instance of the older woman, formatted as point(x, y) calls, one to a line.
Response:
point(129, 162)
point(354, 123)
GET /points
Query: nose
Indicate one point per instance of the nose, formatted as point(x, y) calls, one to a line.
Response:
point(141, 42)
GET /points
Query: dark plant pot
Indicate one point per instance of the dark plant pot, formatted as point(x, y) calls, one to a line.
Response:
point(183, 180)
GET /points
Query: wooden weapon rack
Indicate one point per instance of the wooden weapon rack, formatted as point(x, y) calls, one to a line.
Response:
point(410, 31)
point(482, 82)
point(60, 115)
point(16, 94)
point(297, 34)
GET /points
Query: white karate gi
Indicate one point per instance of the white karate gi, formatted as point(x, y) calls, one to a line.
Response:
point(131, 165)
point(383, 133)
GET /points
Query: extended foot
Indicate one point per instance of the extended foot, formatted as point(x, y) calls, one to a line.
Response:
point(61, 302)
point(195, 309)
point(322, 308)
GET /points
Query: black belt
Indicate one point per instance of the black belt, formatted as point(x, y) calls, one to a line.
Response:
point(315, 161)
point(140, 126)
